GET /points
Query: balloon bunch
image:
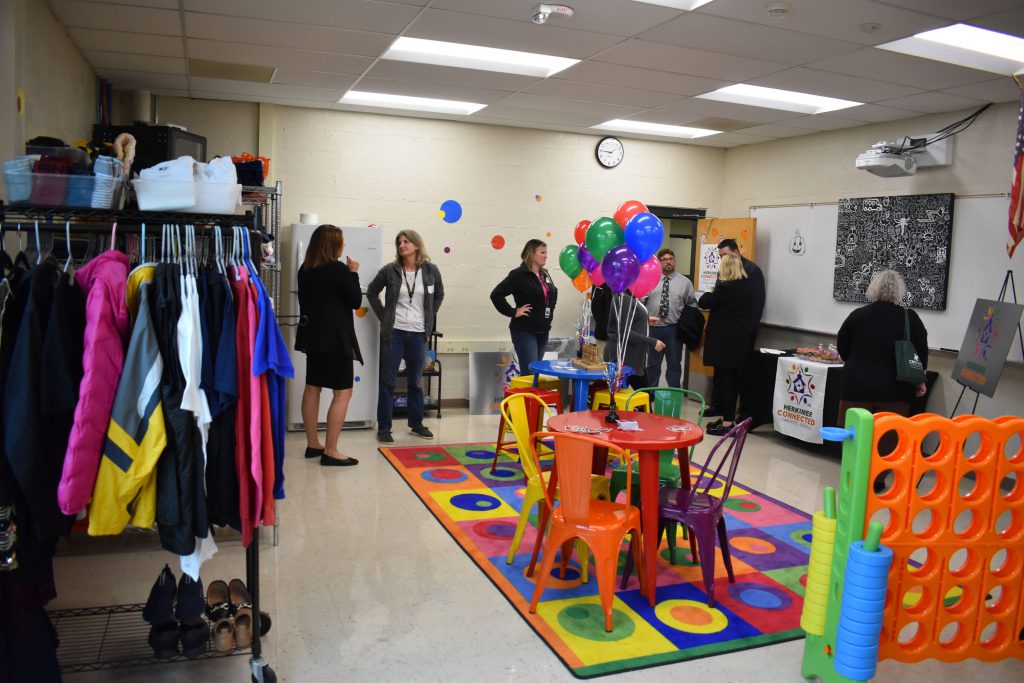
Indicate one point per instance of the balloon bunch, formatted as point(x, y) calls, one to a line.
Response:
point(619, 251)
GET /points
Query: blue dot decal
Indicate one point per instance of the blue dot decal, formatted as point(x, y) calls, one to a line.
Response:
point(451, 211)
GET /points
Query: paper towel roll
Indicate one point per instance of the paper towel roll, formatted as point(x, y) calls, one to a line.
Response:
point(309, 218)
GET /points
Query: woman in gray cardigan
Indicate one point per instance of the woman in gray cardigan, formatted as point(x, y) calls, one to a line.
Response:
point(412, 294)
point(639, 340)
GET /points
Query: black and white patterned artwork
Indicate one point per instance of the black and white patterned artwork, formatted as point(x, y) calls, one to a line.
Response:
point(909, 234)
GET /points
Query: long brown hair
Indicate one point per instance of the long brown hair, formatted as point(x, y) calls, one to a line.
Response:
point(414, 237)
point(529, 250)
point(324, 246)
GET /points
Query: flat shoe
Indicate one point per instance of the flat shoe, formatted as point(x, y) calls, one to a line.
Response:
point(314, 452)
point(218, 610)
point(328, 461)
point(242, 602)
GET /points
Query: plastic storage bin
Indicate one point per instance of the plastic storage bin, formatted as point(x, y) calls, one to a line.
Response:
point(54, 189)
point(216, 198)
point(155, 194)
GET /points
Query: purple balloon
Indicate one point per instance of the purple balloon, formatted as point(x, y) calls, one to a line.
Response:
point(620, 267)
point(586, 259)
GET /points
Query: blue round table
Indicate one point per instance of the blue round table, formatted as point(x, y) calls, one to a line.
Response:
point(580, 378)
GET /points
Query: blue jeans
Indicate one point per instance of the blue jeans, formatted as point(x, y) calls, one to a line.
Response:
point(529, 347)
point(412, 346)
point(673, 355)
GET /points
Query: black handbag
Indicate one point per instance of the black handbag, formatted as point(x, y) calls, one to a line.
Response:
point(690, 326)
point(909, 367)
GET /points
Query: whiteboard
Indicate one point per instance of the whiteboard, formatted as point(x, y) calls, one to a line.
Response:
point(799, 287)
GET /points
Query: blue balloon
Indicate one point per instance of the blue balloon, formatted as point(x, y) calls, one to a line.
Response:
point(644, 235)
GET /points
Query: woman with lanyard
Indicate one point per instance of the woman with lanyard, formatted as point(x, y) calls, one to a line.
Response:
point(412, 294)
point(535, 295)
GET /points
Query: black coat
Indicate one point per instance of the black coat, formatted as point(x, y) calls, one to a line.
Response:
point(600, 308)
point(731, 327)
point(867, 342)
point(327, 296)
point(524, 286)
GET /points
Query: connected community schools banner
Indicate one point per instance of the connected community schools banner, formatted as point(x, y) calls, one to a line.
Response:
point(909, 234)
point(990, 334)
point(799, 405)
point(708, 275)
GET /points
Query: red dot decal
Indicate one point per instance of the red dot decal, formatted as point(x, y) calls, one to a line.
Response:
point(498, 242)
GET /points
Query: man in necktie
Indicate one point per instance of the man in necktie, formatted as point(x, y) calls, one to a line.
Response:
point(667, 300)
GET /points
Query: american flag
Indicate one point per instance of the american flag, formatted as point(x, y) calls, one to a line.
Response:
point(1016, 224)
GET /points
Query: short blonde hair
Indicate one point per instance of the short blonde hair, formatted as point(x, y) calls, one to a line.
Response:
point(887, 285)
point(731, 268)
point(414, 237)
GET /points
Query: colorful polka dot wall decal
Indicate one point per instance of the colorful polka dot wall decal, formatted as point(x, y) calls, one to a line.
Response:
point(537, 197)
point(357, 378)
point(498, 242)
point(450, 211)
point(447, 250)
point(548, 234)
point(361, 312)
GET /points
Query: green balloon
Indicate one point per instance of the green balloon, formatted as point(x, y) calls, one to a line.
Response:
point(569, 260)
point(602, 235)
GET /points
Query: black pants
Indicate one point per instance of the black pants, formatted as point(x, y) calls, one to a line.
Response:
point(727, 386)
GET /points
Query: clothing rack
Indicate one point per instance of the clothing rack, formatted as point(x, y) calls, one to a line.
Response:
point(84, 220)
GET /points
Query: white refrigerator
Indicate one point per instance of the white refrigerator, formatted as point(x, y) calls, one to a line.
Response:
point(362, 244)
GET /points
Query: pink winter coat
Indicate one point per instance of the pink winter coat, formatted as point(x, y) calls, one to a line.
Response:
point(103, 280)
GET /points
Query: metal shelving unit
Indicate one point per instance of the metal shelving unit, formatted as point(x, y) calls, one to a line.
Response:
point(266, 208)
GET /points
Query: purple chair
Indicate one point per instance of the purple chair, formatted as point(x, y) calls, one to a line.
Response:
point(702, 511)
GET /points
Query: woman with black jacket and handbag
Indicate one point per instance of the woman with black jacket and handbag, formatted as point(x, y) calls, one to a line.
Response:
point(328, 293)
point(413, 292)
point(729, 335)
point(535, 295)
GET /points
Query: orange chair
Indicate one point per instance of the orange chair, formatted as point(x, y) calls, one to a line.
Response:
point(602, 525)
point(548, 397)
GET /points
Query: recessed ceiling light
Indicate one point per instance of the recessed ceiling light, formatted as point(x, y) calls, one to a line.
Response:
point(375, 99)
point(677, 4)
point(773, 98)
point(627, 126)
point(965, 45)
point(465, 56)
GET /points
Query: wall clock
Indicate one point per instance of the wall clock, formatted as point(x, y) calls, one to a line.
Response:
point(609, 152)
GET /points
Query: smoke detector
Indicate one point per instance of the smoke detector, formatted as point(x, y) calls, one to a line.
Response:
point(542, 12)
point(778, 10)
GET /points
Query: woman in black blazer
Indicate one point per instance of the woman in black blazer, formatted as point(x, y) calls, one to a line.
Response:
point(729, 335)
point(328, 293)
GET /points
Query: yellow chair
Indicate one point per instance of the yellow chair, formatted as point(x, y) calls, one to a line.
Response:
point(524, 381)
point(513, 409)
point(641, 401)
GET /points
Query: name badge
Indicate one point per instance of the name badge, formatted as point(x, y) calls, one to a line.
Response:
point(547, 312)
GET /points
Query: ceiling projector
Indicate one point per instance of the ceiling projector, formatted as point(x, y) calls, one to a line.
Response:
point(884, 159)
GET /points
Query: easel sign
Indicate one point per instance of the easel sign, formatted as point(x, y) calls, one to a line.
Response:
point(991, 332)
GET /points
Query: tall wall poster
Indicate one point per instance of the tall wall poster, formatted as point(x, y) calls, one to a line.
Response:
point(909, 234)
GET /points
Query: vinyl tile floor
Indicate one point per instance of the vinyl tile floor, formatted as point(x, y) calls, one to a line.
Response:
point(365, 585)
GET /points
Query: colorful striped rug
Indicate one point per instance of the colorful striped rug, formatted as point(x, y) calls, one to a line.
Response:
point(770, 544)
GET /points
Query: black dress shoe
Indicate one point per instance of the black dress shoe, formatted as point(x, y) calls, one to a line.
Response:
point(159, 607)
point(718, 429)
point(328, 461)
point(712, 411)
point(193, 631)
point(314, 452)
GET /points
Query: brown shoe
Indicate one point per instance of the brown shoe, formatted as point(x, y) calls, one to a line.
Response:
point(242, 602)
point(218, 610)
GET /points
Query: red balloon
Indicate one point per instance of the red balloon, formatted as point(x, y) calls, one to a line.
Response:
point(580, 233)
point(627, 210)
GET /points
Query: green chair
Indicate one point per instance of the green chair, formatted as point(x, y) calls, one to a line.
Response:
point(669, 401)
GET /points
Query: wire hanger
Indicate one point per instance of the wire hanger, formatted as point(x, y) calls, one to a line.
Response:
point(113, 235)
point(39, 251)
point(67, 236)
point(143, 257)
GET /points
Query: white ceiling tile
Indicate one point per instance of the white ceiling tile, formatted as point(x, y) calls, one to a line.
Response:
point(740, 138)
point(126, 62)
point(995, 90)
point(665, 116)
point(314, 79)
point(430, 73)
point(612, 17)
point(894, 67)
point(1011, 21)
point(73, 13)
point(476, 29)
point(774, 130)
point(285, 34)
point(541, 103)
point(235, 97)
point(139, 80)
point(355, 15)
point(605, 73)
point(139, 43)
point(819, 122)
point(501, 114)
point(875, 113)
point(755, 41)
point(682, 60)
point(262, 55)
point(591, 92)
point(932, 102)
point(728, 110)
point(161, 4)
point(829, 84)
point(276, 90)
point(840, 19)
point(432, 90)
point(958, 10)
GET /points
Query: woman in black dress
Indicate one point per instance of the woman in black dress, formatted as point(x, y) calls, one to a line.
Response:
point(328, 293)
point(729, 335)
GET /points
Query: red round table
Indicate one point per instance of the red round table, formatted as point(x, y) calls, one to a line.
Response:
point(654, 436)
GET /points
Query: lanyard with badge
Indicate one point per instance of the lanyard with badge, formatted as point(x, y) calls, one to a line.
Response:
point(544, 288)
point(410, 289)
